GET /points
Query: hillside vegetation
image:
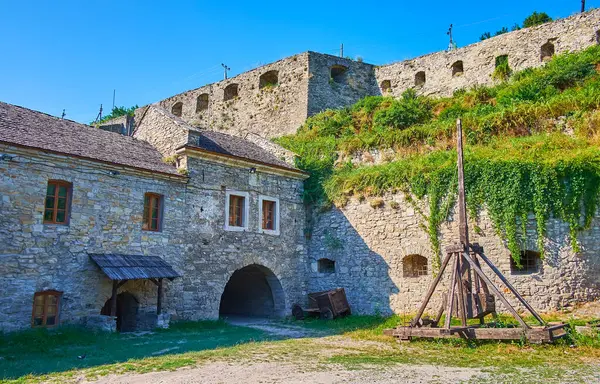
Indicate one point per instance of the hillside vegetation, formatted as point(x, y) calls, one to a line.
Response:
point(531, 148)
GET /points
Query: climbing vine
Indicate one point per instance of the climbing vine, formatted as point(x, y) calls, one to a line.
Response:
point(519, 163)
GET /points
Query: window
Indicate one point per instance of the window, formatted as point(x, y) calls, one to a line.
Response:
point(530, 263)
point(46, 306)
point(337, 73)
point(457, 68)
point(202, 102)
point(386, 86)
point(56, 208)
point(269, 215)
point(268, 79)
point(414, 266)
point(598, 37)
point(230, 92)
point(177, 109)
point(152, 212)
point(326, 266)
point(237, 211)
point(420, 78)
point(547, 51)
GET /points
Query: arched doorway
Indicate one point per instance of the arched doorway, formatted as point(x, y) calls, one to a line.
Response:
point(253, 291)
point(127, 308)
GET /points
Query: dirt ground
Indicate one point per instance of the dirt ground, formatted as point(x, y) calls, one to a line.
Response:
point(264, 373)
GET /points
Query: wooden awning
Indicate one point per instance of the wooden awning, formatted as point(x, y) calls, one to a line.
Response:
point(134, 267)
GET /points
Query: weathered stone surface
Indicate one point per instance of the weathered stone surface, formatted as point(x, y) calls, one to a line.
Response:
point(106, 217)
point(306, 86)
point(374, 241)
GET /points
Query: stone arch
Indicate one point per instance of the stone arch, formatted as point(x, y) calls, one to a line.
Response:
point(457, 68)
point(202, 102)
point(420, 78)
point(325, 265)
point(127, 310)
point(547, 51)
point(386, 86)
point(254, 291)
point(230, 92)
point(337, 73)
point(177, 109)
point(414, 265)
point(268, 79)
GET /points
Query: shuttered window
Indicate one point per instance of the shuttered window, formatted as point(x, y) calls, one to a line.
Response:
point(236, 210)
point(152, 212)
point(45, 309)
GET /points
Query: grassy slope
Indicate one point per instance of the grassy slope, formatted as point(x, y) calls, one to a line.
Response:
point(532, 147)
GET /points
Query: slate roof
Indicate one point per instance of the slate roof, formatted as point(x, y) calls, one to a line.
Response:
point(25, 127)
point(132, 267)
point(235, 146)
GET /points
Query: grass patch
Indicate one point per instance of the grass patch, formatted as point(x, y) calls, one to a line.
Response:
point(533, 148)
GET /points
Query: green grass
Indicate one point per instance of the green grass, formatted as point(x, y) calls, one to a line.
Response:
point(43, 351)
point(354, 342)
point(532, 147)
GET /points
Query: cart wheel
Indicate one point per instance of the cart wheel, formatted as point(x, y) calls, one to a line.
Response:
point(326, 314)
point(297, 312)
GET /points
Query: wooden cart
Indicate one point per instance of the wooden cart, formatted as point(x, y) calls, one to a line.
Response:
point(326, 304)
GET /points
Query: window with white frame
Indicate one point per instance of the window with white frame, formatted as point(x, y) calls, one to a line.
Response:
point(236, 211)
point(268, 213)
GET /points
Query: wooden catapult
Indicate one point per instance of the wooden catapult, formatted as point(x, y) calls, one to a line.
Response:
point(472, 294)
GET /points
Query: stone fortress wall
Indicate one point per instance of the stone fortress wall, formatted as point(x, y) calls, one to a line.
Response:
point(275, 99)
point(372, 247)
point(442, 73)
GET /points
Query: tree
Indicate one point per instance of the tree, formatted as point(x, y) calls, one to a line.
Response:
point(117, 112)
point(485, 36)
point(536, 19)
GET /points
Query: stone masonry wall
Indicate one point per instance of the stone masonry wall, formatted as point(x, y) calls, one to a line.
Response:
point(369, 244)
point(269, 111)
point(106, 217)
point(523, 47)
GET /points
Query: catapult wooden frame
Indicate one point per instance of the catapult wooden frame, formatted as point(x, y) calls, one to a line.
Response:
point(468, 303)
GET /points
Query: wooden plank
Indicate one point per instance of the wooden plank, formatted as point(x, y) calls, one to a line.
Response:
point(113, 298)
point(495, 291)
point(511, 288)
point(462, 206)
point(535, 334)
point(451, 292)
point(159, 297)
point(417, 318)
point(462, 309)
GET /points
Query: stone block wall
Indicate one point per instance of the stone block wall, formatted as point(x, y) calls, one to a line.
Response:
point(270, 111)
point(374, 241)
point(523, 47)
point(336, 82)
point(216, 253)
point(106, 217)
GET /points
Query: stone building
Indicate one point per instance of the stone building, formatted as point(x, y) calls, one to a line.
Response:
point(225, 214)
point(187, 210)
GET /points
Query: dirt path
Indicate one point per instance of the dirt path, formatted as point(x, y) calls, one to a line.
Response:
point(273, 327)
point(264, 373)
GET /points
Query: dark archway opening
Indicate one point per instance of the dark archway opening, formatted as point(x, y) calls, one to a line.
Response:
point(253, 291)
point(127, 309)
point(420, 79)
point(457, 68)
point(547, 51)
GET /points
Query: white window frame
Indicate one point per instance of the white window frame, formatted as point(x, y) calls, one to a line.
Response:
point(275, 232)
point(246, 197)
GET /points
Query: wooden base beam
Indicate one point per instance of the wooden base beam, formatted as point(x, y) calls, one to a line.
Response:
point(534, 335)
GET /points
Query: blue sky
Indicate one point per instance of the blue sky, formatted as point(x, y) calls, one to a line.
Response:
point(57, 55)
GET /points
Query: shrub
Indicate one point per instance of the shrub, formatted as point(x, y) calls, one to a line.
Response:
point(536, 19)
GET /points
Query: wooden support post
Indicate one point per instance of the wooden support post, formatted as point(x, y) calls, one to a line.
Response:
point(462, 310)
point(415, 321)
point(496, 292)
point(451, 291)
point(159, 298)
point(113, 298)
point(512, 289)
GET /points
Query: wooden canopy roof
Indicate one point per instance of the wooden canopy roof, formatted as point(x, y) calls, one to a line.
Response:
point(132, 267)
